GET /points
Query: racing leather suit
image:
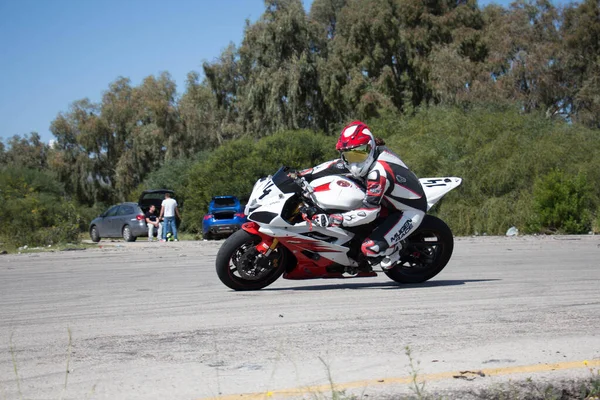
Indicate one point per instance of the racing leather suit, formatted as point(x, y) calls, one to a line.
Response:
point(389, 183)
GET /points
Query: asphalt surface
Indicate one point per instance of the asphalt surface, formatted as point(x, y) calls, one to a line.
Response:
point(152, 321)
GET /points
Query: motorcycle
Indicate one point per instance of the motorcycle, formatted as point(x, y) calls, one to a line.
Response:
point(280, 239)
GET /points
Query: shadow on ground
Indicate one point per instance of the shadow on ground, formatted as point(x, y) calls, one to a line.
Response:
point(383, 285)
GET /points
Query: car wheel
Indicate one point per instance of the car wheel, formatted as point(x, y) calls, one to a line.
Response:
point(127, 235)
point(208, 236)
point(94, 234)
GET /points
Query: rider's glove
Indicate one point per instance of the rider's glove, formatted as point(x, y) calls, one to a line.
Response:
point(325, 220)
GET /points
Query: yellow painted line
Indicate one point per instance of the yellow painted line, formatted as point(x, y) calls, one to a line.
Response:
point(408, 379)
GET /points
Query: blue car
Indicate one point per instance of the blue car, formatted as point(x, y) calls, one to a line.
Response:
point(225, 216)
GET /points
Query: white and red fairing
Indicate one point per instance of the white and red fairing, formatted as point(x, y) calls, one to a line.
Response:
point(334, 193)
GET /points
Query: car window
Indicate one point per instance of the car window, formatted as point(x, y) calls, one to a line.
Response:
point(226, 202)
point(112, 211)
point(125, 210)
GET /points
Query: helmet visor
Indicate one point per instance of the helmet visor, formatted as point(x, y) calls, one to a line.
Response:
point(356, 155)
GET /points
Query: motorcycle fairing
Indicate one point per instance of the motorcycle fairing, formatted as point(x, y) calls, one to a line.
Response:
point(297, 240)
point(436, 188)
point(313, 256)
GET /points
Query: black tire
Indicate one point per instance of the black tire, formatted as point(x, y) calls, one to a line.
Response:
point(425, 253)
point(208, 236)
point(127, 235)
point(237, 265)
point(94, 234)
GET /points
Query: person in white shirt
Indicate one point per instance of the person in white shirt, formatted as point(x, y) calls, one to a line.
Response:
point(168, 211)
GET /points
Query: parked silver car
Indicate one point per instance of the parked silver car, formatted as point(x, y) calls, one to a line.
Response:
point(124, 220)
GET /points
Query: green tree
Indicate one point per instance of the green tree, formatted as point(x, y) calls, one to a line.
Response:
point(214, 106)
point(581, 40)
point(2, 154)
point(27, 151)
point(83, 153)
point(325, 14)
point(152, 132)
point(525, 56)
point(280, 88)
point(103, 151)
point(393, 55)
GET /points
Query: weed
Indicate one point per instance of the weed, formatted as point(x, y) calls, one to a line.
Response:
point(335, 394)
point(68, 362)
point(592, 390)
point(16, 369)
point(67, 370)
point(417, 387)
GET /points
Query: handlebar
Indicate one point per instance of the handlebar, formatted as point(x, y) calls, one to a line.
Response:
point(308, 191)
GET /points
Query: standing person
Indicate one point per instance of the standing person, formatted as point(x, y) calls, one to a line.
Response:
point(390, 185)
point(168, 211)
point(153, 221)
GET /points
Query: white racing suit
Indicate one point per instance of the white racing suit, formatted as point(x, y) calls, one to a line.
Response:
point(389, 183)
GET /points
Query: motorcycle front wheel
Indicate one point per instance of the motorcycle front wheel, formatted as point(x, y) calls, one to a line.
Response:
point(241, 267)
point(425, 253)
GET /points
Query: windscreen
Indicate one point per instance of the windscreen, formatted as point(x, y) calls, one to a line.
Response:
point(284, 182)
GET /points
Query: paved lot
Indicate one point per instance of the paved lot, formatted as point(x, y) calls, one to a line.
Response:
point(152, 321)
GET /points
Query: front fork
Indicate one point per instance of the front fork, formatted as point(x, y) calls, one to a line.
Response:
point(268, 244)
point(265, 248)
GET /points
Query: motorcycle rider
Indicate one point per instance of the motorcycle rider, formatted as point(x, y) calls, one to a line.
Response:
point(389, 184)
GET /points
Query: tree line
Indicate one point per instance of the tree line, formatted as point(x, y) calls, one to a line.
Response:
point(376, 60)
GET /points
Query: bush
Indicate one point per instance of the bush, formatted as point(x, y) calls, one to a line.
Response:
point(33, 212)
point(499, 154)
point(562, 204)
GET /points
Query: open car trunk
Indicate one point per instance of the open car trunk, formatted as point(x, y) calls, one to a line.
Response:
point(155, 196)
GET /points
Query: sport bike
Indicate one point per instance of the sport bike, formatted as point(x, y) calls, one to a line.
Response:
point(280, 239)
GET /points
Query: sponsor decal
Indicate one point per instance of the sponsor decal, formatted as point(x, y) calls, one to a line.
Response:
point(403, 231)
point(340, 165)
point(343, 184)
point(400, 179)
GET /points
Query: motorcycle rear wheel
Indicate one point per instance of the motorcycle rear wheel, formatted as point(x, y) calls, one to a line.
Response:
point(425, 253)
point(239, 266)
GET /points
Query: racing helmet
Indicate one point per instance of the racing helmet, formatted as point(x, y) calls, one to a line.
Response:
point(357, 148)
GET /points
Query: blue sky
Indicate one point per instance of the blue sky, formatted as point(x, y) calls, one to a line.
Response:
point(53, 52)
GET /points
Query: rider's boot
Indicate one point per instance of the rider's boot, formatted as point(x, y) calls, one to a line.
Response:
point(391, 259)
point(380, 255)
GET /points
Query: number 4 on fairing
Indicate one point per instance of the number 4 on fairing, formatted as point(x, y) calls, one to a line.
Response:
point(266, 191)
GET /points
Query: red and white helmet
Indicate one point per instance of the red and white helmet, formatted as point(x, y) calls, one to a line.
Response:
point(357, 148)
